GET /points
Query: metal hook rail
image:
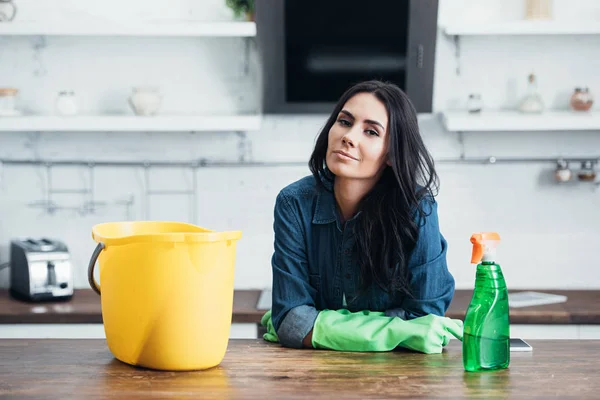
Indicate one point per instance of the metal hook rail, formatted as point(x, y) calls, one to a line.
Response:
point(90, 205)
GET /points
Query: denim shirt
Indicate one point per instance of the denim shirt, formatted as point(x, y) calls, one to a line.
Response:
point(315, 267)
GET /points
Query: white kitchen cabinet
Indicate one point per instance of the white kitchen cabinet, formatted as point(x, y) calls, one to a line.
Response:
point(243, 331)
point(90, 331)
point(250, 331)
point(52, 331)
point(524, 331)
point(589, 331)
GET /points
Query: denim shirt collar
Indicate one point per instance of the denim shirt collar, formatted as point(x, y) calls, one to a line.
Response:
point(326, 208)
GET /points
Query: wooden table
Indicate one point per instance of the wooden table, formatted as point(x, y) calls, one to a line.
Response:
point(58, 369)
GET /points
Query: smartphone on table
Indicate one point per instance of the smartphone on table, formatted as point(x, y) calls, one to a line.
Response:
point(518, 344)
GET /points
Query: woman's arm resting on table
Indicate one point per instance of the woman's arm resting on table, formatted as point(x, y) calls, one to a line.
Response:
point(430, 282)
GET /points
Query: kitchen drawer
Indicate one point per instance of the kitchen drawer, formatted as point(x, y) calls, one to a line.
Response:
point(52, 331)
point(243, 331)
point(544, 331)
point(589, 332)
point(90, 331)
point(250, 331)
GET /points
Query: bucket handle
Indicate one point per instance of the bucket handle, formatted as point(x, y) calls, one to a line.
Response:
point(91, 266)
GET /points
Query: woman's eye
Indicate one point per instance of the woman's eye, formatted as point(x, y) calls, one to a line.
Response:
point(344, 122)
point(372, 132)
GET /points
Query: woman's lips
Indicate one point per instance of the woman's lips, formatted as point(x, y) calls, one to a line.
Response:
point(344, 155)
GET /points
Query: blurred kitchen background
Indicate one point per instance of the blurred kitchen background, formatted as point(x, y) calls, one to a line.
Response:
point(504, 89)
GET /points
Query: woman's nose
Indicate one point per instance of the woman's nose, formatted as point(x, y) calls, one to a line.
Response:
point(347, 141)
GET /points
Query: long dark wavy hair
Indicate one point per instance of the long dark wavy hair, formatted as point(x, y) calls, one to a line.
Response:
point(386, 230)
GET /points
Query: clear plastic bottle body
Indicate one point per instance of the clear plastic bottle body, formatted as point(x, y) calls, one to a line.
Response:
point(486, 341)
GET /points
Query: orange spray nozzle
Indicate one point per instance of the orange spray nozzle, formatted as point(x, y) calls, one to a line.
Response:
point(483, 242)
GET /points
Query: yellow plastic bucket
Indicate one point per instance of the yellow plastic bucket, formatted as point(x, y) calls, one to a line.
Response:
point(167, 292)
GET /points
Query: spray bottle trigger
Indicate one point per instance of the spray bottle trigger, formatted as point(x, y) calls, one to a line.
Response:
point(479, 241)
point(477, 253)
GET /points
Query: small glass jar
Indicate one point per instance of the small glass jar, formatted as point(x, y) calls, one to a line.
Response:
point(587, 173)
point(8, 97)
point(474, 103)
point(581, 99)
point(532, 102)
point(66, 103)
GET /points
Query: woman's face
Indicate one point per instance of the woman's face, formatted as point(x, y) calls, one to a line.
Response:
point(357, 143)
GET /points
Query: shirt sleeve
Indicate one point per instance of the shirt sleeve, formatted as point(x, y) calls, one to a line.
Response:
point(430, 282)
point(293, 309)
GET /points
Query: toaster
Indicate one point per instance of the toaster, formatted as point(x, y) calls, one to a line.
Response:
point(40, 269)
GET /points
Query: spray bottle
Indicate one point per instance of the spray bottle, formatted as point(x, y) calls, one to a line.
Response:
point(486, 344)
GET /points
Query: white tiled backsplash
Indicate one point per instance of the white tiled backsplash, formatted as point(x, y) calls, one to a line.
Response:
point(550, 232)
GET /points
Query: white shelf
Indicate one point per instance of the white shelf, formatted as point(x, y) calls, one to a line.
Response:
point(455, 121)
point(523, 28)
point(123, 123)
point(219, 29)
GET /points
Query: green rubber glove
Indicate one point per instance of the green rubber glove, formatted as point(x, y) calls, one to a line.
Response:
point(271, 335)
point(373, 331)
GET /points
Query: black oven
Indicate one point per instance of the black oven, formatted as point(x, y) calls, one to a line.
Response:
point(311, 51)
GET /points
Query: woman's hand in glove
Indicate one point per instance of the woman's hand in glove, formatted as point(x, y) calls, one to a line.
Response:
point(429, 334)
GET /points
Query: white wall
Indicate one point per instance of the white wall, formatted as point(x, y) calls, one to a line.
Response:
point(549, 231)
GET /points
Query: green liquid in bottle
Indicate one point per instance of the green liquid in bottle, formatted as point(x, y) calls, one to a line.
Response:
point(486, 354)
point(486, 344)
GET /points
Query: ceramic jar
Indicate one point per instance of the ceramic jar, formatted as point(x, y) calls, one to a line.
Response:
point(66, 103)
point(7, 10)
point(145, 100)
point(562, 172)
point(581, 99)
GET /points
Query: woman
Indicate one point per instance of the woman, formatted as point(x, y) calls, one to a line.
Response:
point(359, 262)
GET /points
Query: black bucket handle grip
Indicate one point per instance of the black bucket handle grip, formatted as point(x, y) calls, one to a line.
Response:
point(91, 266)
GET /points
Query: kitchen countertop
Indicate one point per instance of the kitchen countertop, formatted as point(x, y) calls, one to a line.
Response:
point(84, 307)
point(68, 368)
point(580, 308)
